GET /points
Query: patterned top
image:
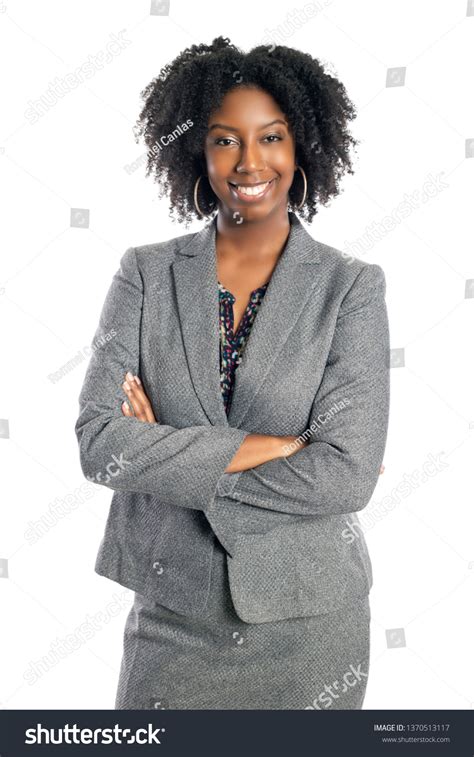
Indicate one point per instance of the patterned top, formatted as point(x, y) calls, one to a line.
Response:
point(232, 345)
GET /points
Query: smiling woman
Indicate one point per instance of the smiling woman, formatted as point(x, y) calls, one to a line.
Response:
point(261, 138)
point(257, 426)
point(308, 125)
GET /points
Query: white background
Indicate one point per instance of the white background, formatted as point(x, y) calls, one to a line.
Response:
point(54, 278)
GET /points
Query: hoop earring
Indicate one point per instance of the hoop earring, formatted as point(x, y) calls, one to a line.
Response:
point(305, 188)
point(196, 203)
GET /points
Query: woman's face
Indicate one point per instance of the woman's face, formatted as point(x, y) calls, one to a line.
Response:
point(250, 155)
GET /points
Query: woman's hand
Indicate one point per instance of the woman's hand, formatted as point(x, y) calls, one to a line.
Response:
point(137, 398)
point(142, 410)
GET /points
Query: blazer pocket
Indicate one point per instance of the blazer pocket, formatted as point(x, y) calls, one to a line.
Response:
point(321, 565)
point(300, 569)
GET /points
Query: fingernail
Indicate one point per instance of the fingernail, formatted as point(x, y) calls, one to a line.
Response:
point(138, 380)
point(126, 385)
point(129, 376)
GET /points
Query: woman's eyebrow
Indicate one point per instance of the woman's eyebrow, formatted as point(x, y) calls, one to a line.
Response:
point(234, 128)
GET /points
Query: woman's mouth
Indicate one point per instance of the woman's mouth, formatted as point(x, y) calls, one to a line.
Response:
point(251, 193)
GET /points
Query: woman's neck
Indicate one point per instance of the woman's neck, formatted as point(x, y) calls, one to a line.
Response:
point(252, 239)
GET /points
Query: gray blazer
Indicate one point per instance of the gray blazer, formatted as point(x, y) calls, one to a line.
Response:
point(316, 363)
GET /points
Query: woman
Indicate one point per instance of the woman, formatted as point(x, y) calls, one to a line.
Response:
point(247, 443)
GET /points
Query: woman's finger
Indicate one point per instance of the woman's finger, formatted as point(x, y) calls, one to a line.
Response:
point(126, 408)
point(138, 400)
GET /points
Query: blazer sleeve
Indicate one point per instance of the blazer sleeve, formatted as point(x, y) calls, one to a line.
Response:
point(181, 465)
point(338, 471)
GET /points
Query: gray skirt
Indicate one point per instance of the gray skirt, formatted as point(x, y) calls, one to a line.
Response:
point(216, 661)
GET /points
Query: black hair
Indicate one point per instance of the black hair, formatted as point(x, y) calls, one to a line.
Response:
point(194, 84)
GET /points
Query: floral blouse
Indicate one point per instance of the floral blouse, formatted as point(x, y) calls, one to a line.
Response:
point(232, 345)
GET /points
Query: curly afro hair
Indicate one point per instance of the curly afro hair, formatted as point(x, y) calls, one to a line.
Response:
point(194, 85)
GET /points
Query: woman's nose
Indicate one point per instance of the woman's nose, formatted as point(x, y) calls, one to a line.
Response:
point(250, 159)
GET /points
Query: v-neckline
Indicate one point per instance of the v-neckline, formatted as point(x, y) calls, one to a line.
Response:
point(235, 333)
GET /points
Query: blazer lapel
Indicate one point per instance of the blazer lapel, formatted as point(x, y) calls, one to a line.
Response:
point(290, 286)
point(195, 275)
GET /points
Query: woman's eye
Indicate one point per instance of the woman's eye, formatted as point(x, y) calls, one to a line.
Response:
point(224, 139)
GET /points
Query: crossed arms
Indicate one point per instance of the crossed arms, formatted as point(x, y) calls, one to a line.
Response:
point(335, 469)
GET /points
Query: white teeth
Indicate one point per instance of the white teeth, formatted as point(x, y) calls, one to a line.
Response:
point(253, 190)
